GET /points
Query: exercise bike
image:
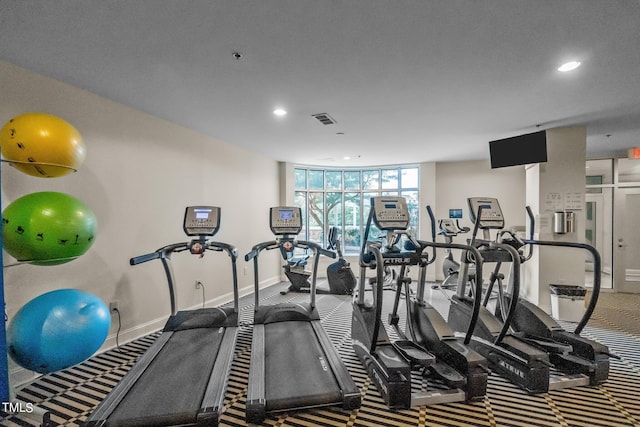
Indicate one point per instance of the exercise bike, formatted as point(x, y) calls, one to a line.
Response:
point(294, 269)
point(339, 274)
point(450, 267)
point(341, 279)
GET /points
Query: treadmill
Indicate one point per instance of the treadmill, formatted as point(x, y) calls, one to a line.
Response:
point(181, 379)
point(293, 362)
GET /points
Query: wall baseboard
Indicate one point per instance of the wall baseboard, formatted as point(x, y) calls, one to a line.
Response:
point(19, 376)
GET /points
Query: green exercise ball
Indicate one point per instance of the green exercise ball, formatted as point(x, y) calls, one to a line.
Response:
point(47, 228)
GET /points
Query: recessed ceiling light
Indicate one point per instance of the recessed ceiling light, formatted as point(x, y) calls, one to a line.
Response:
point(347, 158)
point(280, 112)
point(569, 66)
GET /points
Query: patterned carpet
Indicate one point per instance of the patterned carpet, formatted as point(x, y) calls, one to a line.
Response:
point(70, 395)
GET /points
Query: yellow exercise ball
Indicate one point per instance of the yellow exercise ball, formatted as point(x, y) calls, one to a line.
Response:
point(42, 145)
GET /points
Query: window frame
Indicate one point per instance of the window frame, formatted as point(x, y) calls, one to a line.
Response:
point(301, 195)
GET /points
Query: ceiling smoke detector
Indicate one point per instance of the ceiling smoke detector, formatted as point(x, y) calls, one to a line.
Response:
point(324, 118)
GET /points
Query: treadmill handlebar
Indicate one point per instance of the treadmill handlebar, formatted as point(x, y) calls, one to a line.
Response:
point(273, 244)
point(230, 249)
point(166, 251)
point(144, 258)
point(163, 252)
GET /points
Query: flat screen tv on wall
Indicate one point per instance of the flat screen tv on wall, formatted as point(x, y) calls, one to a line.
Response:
point(519, 150)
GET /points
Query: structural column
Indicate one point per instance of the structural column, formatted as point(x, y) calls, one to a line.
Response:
point(557, 185)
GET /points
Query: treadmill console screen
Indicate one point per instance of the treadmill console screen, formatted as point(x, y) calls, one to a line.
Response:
point(390, 212)
point(491, 216)
point(201, 220)
point(285, 220)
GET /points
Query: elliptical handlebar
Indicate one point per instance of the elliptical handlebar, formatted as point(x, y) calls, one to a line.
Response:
point(515, 259)
point(476, 226)
point(532, 222)
point(432, 221)
point(377, 295)
point(597, 268)
point(515, 291)
point(474, 255)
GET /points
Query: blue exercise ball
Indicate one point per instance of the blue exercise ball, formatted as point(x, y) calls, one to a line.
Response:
point(58, 329)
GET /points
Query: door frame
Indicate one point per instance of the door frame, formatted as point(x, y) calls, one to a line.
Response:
point(620, 283)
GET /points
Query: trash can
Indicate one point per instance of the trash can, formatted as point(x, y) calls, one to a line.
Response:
point(567, 302)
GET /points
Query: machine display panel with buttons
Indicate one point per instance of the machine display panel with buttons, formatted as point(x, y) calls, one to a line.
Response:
point(285, 220)
point(201, 220)
point(491, 216)
point(390, 213)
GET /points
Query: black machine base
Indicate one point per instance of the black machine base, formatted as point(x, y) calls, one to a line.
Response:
point(585, 356)
point(519, 362)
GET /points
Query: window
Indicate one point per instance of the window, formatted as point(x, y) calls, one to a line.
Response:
point(341, 198)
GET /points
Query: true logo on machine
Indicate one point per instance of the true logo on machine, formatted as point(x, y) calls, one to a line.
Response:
point(511, 368)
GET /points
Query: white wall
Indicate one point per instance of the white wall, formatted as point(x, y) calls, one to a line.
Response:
point(139, 175)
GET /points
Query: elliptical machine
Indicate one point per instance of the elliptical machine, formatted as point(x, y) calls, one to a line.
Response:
point(389, 363)
point(457, 365)
point(568, 351)
point(512, 357)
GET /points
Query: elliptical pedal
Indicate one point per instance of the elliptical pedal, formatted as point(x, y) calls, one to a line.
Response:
point(546, 344)
point(450, 376)
point(415, 354)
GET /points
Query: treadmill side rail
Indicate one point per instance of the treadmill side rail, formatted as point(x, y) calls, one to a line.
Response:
point(351, 398)
point(113, 399)
point(256, 399)
point(213, 401)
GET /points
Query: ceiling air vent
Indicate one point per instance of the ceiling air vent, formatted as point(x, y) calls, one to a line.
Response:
point(324, 118)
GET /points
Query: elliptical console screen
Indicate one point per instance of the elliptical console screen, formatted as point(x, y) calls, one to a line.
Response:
point(491, 216)
point(285, 220)
point(201, 220)
point(390, 212)
point(447, 227)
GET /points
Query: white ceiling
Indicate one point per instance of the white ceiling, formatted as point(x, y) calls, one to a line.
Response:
point(406, 81)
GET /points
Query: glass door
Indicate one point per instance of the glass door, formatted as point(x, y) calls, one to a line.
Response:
point(627, 240)
point(598, 226)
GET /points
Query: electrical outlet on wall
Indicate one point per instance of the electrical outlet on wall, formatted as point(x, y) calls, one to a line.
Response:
point(113, 305)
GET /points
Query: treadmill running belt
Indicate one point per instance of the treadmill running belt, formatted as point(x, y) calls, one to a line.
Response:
point(298, 374)
point(174, 400)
